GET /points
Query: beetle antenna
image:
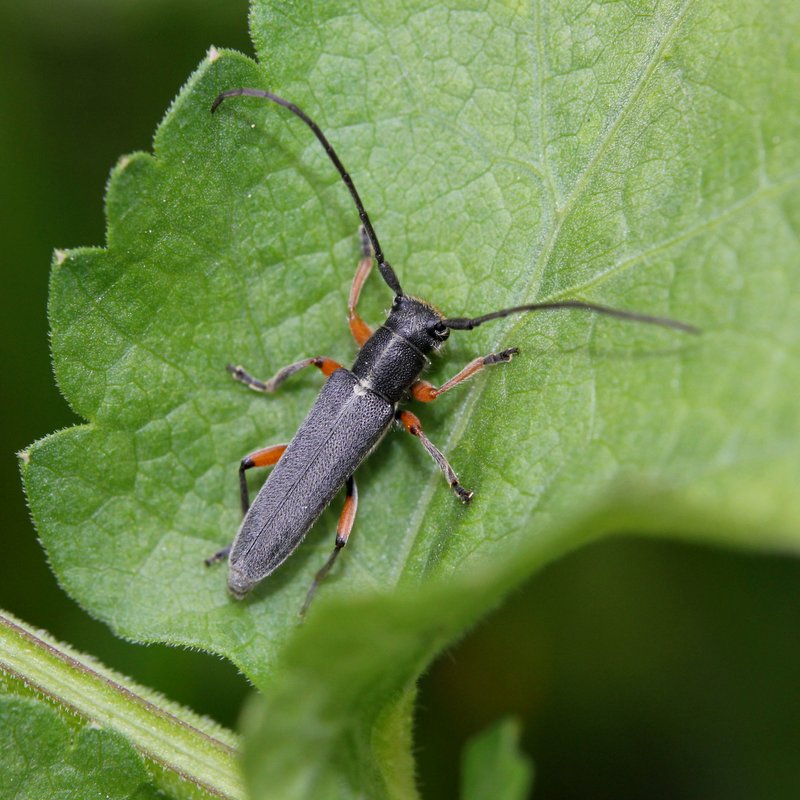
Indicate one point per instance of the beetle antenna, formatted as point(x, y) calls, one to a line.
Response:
point(384, 266)
point(467, 324)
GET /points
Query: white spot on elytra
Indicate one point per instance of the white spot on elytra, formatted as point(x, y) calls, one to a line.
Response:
point(60, 256)
point(212, 55)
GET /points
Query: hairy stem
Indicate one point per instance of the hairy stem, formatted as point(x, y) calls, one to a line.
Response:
point(187, 754)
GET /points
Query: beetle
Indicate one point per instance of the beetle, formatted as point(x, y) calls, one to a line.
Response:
point(356, 406)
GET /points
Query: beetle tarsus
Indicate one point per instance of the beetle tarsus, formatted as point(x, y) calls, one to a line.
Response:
point(220, 555)
point(464, 495)
point(319, 577)
point(500, 358)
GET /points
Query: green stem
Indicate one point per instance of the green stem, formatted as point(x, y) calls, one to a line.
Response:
point(187, 754)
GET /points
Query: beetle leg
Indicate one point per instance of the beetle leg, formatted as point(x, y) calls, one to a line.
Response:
point(267, 457)
point(326, 365)
point(346, 521)
point(427, 392)
point(361, 331)
point(414, 427)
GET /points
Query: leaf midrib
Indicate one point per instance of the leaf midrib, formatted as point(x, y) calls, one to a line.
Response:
point(463, 414)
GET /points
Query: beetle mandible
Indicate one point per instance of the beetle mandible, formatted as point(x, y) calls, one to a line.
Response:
point(356, 407)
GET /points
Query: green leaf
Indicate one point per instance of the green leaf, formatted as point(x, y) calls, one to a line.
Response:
point(355, 715)
point(493, 767)
point(642, 155)
point(42, 756)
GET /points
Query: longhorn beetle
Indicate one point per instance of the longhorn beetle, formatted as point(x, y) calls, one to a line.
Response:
point(356, 407)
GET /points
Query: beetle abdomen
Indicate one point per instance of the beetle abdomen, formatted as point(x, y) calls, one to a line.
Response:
point(344, 424)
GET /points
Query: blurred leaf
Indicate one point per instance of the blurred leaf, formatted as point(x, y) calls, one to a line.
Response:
point(493, 767)
point(647, 160)
point(347, 686)
point(41, 756)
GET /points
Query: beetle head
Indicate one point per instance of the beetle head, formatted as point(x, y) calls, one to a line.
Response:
point(417, 322)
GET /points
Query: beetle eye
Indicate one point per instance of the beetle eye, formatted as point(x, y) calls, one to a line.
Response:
point(397, 300)
point(440, 330)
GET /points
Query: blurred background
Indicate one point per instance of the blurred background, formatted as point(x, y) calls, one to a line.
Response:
point(640, 669)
